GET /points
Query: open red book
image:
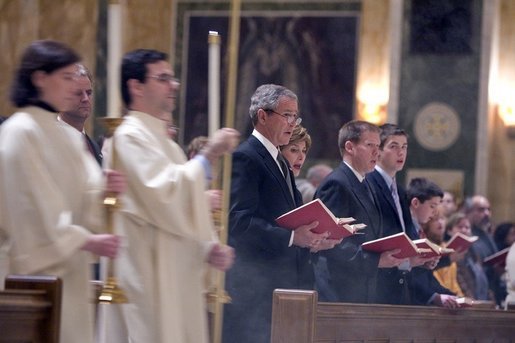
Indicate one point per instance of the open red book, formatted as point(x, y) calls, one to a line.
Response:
point(497, 258)
point(461, 242)
point(316, 211)
point(433, 249)
point(398, 241)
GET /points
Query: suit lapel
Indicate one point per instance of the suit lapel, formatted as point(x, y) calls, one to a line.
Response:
point(273, 168)
point(383, 188)
point(374, 217)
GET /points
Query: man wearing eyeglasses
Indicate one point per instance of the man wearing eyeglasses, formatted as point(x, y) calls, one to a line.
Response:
point(267, 256)
point(165, 216)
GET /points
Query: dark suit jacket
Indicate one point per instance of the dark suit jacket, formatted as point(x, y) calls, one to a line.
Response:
point(395, 286)
point(264, 262)
point(392, 283)
point(352, 271)
point(94, 149)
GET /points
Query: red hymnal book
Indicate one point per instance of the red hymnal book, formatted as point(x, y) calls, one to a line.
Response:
point(398, 241)
point(497, 258)
point(461, 242)
point(316, 211)
point(433, 249)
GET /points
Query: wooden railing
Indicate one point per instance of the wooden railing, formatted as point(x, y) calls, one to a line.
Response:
point(30, 309)
point(298, 317)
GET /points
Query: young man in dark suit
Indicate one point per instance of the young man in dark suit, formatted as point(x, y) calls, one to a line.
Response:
point(262, 189)
point(392, 285)
point(352, 270)
point(424, 196)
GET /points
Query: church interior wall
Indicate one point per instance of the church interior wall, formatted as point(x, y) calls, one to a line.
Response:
point(449, 77)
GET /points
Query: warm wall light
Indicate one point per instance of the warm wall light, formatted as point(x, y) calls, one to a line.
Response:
point(507, 114)
point(372, 112)
point(372, 102)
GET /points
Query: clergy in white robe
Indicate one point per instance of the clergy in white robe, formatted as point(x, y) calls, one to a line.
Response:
point(51, 195)
point(166, 220)
point(165, 215)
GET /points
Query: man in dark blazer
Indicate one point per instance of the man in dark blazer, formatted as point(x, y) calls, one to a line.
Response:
point(393, 282)
point(262, 189)
point(77, 116)
point(352, 270)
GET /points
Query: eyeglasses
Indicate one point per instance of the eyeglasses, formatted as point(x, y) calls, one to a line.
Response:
point(168, 78)
point(290, 118)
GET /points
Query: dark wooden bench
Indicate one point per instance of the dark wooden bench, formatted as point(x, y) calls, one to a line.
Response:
point(30, 309)
point(298, 317)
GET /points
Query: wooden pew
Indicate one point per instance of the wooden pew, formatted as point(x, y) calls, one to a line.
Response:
point(30, 309)
point(298, 317)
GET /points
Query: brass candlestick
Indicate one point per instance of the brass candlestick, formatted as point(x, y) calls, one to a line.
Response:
point(111, 293)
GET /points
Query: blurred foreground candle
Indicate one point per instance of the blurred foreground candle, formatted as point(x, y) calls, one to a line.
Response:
point(214, 82)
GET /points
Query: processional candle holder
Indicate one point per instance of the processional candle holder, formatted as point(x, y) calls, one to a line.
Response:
point(111, 293)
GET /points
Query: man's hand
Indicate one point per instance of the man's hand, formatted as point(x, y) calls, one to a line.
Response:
point(221, 257)
point(457, 255)
point(325, 244)
point(215, 198)
point(304, 238)
point(446, 300)
point(115, 182)
point(431, 264)
point(419, 260)
point(223, 141)
point(103, 245)
point(387, 260)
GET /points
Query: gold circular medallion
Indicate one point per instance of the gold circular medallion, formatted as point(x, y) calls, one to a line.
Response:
point(437, 126)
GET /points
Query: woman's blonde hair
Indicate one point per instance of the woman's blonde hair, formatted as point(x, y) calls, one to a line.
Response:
point(300, 134)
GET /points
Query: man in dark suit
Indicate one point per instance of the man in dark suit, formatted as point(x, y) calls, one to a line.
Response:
point(77, 117)
point(262, 189)
point(393, 282)
point(353, 271)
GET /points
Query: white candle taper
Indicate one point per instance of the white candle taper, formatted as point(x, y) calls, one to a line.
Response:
point(114, 50)
point(214, 82)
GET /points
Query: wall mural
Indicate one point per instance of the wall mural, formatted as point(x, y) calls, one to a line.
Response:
point(313, 53)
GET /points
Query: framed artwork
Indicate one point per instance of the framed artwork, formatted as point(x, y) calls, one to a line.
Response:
point(309, 48)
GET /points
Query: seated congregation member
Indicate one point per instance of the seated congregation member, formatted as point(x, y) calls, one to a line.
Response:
point(449, 205)
point(165, 215)
point(352, 270)
point(471, 276)
point(478, 211)
point(392, 284)
point(424, 197)
point(504, 235)
point(52, 189)
point(262, 189)
point(314, 176)
point(434, 230)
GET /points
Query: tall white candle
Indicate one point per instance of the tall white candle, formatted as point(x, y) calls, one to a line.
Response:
point(214, 82)
point(114, 49)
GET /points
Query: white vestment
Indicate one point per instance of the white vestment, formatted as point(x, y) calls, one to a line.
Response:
point(51, 198)
point(166, 220)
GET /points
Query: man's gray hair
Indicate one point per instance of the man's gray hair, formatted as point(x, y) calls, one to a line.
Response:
point(267, 97)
